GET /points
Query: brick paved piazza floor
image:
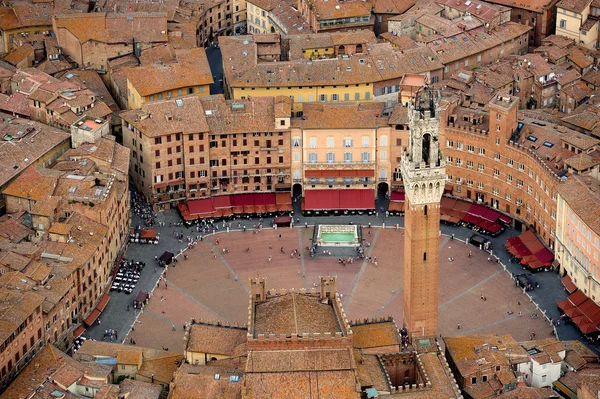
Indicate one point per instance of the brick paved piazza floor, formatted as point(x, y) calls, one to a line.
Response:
point(205, 287)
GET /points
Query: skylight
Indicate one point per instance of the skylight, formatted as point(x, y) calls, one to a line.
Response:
point(548, 144)
point(532, 138)
point(179, 102)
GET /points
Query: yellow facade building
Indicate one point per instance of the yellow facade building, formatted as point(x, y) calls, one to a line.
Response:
point(578, 20)
point(363, 75)
point(22, 20)
point(189, 75)
point(578, 233)
point(346, 146)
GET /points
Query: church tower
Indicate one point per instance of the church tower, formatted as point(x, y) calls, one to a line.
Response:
point(424, 175)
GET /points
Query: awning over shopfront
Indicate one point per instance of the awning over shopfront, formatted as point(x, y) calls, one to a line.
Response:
point(201, 207)
point(103, 302)
point(583, 311)
point(78, 332)
point(148, 234)
point(222, 202)
point(283, 202)
point(355, 199)
point(321, 200)
point(527, 244)
point(351, 199)
point(92, 318)
point(398, 196)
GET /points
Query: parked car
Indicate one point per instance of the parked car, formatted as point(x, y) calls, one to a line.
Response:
point(479, 241)
point(524, 281)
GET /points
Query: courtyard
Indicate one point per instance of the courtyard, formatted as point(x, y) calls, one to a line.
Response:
point(212, 284)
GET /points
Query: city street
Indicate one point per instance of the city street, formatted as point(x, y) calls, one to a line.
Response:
point(116, 315)
point(216, 66)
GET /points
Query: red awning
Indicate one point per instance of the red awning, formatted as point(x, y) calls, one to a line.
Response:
point(78, 332)
point(201, 206)
point(591, 311)
point(528, 236)
point(348, 173)
point(477, 210)
point(238, 210)
point(92, 318)
point(447, 203)
point(577, 298)
point(103, 302)
point(148, 234)
point(283, 198)
point(222, 201)
point(321, 200)
point(242, 200)
point(365, 173)
point(505, 219)
point(491, 215)
point(396, 206)
point(565, 304)
point(569, 285)
point(185, 212)
point(357, 199)
point(312, 173)
point(330, 173)
point(535, 246)
point(573, 312)
point(398, 196)
point(285, 207)
point(462, 206)
point(545, 255)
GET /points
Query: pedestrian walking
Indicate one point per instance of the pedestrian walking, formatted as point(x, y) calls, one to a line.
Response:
point(458, 326)
point(174, 329)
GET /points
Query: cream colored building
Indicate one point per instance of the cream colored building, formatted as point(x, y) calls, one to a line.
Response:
point(573, 21)
point(578, 233)
point(342, 146)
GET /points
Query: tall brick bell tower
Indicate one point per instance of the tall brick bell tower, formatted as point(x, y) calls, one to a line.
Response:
point(424, 175)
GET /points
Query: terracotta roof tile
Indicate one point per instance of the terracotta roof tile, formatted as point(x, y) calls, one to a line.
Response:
point(578, 57)
point(392, 6)
point(218, 340)
point(375, 335)
point(199, 382)
point(581, 193)
point(468, 350)
point(34, 184)
point(191, 69)
point(115, 28)
point(294, 314)
point(577, 91)
point(341, 115)
point(165, 117)
point(19, 54)
point(336, 9)
point(131, 356)
point(577, 6)
point(531, 5)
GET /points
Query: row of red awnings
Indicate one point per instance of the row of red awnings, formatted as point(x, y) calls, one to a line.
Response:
point(530, 250)
point(455, 211)
point(584, 312)
point(350, 199)
point(227, 205)
point(93, 316)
